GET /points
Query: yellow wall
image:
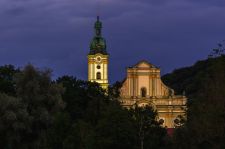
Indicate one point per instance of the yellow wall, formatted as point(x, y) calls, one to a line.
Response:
point(93, 62)
point(144, 74)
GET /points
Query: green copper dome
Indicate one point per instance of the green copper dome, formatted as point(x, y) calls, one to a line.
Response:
point(98, 43)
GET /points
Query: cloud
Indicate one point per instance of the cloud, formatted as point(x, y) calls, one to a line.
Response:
point(56, 33)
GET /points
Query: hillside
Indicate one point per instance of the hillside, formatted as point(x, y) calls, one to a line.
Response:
point(204, 85)
point(192, 79)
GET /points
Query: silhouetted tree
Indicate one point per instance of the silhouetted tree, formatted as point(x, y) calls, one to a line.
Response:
point(7, 81)
point(42, 100)
point(205, 89)
point(149, 131)
point(13, 122)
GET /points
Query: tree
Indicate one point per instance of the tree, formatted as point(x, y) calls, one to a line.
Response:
point(114, 90)
point(13, 122)
point(84, 101)
point(42, 99)
point(150, 133)
point(96, 119)
point(115, 128)
point(7, 81)
point(219, 51)
point(205, 89)
point(207, 110)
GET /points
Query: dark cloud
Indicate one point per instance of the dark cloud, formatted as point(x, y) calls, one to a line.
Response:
point(56, 33)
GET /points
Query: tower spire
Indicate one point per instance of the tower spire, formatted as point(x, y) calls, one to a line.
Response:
point(98, 44)
point(98, 58)
point(98, 27)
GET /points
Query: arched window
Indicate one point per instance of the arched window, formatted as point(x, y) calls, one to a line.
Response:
point(143, 92)
point(98, 75)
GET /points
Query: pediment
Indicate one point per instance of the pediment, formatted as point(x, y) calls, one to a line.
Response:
point(144, 64)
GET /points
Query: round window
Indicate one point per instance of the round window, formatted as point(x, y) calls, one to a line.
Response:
point(98, 67)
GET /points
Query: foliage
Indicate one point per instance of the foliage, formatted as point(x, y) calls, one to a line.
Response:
point(114, 90)
point(42, 99)
point(218, 51)
point(150, 133)
point(13, 121)
point(7, 82)
point(26, 118)
point(205, 89)
point(94, 119)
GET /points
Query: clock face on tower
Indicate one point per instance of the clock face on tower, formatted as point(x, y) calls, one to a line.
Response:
point(98, 59)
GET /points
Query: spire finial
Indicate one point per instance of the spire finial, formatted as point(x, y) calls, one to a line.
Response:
point(98, 27)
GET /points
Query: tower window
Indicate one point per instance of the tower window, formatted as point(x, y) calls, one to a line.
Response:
point(98, 67)
point(143, 92)
point(98, 75)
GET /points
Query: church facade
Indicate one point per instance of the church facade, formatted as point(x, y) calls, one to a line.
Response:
point(142, 86)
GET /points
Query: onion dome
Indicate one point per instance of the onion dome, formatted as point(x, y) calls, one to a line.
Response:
point(98, 43)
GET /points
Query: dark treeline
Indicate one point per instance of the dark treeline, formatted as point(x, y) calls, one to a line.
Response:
point(37, 112)
point(204, 85)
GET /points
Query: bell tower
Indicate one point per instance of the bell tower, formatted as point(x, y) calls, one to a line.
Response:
point(98, 58)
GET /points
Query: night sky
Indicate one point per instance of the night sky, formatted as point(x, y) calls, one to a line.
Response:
point(57, 33)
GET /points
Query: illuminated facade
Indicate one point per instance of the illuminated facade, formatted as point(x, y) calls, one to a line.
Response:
point(143, 86)
point(98, 58)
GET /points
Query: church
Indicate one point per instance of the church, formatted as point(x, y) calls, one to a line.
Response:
point(142, 86)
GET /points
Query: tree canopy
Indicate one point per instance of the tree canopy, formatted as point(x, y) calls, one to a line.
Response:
point(204, 84)
point(68, 113)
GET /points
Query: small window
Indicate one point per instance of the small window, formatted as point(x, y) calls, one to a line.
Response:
point(98, 75)
point(98, 67)
point(161, 121)
point(143, 92)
